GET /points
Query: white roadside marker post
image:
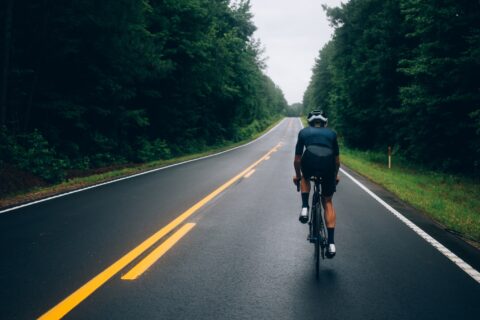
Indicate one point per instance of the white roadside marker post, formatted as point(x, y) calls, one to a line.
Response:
point(389, 157)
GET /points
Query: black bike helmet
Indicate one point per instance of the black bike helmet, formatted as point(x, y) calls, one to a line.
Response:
point(317, 115)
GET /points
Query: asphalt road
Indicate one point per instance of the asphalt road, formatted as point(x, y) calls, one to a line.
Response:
point(246, 257)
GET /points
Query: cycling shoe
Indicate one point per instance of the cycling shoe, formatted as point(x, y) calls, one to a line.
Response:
point(303, 215)
point(331, 251)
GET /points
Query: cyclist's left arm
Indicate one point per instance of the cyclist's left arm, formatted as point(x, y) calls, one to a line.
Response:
point(336, 152)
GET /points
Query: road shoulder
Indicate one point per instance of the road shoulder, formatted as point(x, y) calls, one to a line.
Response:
point(463, 249)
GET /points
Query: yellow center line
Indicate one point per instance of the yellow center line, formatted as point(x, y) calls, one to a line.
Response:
point(156, 254)
point(249, 173)
point(70, 302)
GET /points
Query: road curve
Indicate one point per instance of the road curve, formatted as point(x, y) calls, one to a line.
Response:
point(244, 255)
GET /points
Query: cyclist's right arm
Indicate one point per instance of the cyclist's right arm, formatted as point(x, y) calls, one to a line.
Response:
point(298, 157)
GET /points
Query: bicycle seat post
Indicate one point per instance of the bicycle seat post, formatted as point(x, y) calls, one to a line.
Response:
point(316, 180)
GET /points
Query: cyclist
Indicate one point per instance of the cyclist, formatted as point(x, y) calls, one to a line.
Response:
point(321, 158)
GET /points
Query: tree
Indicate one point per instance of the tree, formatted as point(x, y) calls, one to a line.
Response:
point(7, 36)
point(404, 73)
point(108, 82)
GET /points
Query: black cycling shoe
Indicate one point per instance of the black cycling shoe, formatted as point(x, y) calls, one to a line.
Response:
point(331, 251)
point(303, 215)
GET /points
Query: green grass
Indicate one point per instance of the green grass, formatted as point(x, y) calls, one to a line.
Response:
point(81, 182)
point(453, 201)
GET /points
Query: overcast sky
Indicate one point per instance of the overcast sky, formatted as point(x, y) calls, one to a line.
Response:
point(292, 32)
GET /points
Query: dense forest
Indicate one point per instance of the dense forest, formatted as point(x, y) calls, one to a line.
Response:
point(88, 83)
point(294, 110)
point(404, 73)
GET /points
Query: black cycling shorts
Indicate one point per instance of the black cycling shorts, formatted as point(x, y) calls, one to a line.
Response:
point(319, 162)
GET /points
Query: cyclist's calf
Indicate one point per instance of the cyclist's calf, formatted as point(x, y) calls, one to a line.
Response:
point(305, 185)
point(330, 215)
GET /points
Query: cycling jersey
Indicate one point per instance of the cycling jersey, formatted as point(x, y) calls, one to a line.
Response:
point(323, 137)
point(321, 148)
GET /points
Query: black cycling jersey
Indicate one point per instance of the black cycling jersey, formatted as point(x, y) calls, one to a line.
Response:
point(319, 158)
point(323, 137)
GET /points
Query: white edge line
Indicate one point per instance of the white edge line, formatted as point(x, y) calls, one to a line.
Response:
point(437, 245)
point(138, 174)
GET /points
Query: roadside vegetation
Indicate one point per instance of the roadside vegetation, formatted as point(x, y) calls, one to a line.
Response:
point(90, 178)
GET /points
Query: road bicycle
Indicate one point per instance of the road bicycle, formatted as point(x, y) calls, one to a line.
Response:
point(317, 232)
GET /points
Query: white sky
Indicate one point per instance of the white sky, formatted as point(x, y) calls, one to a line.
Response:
point(292, 32)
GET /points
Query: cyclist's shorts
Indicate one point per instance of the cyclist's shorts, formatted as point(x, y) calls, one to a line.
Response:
point(320, 162)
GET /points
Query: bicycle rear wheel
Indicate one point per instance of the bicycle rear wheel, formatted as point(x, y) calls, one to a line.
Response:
point(316, 216)
point(323, 237)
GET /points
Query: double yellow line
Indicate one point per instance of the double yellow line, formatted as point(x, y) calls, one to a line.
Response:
point(70, 302)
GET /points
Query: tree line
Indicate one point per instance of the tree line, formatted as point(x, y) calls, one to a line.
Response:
point(404, 73)
point(90, 83)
